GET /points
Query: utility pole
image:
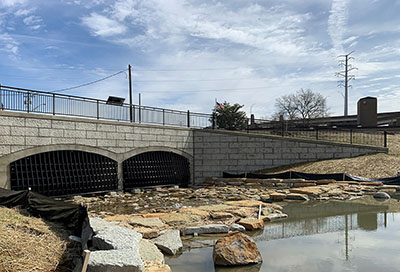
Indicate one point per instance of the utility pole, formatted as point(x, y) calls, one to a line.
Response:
point(345, 83)
point(130, 94)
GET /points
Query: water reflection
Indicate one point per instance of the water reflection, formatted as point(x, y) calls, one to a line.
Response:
point(331, 236)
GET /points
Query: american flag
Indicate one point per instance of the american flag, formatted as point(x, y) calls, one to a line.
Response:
point(219, 105)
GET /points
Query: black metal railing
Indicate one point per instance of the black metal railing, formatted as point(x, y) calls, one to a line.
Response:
point(32, 101)
point(362, 136)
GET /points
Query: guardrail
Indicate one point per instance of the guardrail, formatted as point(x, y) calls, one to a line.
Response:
point(33, 101)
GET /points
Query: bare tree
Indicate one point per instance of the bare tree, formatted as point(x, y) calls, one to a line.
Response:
point(286, 106)
point(305, 104)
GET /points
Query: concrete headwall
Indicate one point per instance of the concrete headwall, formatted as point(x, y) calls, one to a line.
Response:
point(218, 151)
point(24, 134)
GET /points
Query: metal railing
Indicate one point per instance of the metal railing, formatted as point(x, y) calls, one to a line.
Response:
point(33, 101)
point(362, 136)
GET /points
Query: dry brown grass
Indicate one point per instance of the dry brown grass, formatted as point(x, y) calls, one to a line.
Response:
point(369, 166)
point(29, 244)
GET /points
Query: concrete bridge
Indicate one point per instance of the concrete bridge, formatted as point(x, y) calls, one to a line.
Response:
point(64, 155)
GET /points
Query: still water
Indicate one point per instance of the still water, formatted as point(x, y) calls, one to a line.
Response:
point(330, 236)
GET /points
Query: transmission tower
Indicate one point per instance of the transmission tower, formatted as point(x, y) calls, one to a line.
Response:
point(344, 62)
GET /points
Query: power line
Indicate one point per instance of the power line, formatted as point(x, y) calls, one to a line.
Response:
point(89, 83)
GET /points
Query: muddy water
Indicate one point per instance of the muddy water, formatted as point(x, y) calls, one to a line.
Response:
point(330, 236)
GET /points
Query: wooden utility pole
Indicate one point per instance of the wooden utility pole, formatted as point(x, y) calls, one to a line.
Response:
point(130, 95)
point(345, 83)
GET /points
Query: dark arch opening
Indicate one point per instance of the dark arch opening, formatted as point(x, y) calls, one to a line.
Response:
point(156, 168)
point(64, 172)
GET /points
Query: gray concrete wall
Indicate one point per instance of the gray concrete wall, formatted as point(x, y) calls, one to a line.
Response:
point(210, 152)
point(218, 151)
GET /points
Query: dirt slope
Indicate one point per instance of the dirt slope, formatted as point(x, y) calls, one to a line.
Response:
point(370, 166)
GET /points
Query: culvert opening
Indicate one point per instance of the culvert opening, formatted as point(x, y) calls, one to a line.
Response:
point(66, 172)
point(156, 168)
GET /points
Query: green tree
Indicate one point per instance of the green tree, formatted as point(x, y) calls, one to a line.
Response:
point(229, 116)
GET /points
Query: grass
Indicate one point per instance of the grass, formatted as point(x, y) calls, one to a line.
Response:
point(369, 166)
point(31, 244)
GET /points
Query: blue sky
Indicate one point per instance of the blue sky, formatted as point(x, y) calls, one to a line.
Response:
point(186, 53)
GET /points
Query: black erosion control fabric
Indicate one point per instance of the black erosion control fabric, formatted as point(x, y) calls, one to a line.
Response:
point(73, 217)
point(307, 176)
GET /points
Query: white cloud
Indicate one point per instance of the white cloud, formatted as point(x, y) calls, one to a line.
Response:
point(8, 44)
point(337, 23)
point(33, 22)
point(23, 12)
point(102, 26)
point(11, 3)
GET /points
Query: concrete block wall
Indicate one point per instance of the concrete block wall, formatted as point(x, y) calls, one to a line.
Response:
point(24, 134)
point(217, 151)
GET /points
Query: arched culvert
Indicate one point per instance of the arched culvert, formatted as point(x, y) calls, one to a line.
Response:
point(155, 168)
point(64, 172)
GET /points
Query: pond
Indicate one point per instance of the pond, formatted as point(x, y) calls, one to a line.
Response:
point(324, 236)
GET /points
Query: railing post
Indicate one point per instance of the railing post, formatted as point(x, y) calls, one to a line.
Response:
point(54, 104)
point(28, 102)
point(98, 109)
point(163, 117)
point(351, 136)
point(188, 118)
point(247, 127)
point(213, 121)
point(140, 114)
point(385, 138)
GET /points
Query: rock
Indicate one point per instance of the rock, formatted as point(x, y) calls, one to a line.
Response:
point(151, 222)
point(170, 242)
point(123, 260)
point(325, 181)
point(150, 253)
point(251, 223)
point(267, 210)
point(243, 211)
point(372, 183)
point(275, 216)
point(221, 215)
point(313, 191)
point(264, 198)
point(295, 196)
point(294, 180)
point(147, 233)
point(195, 211)
point(304, 184)
point(116, 237)
point(155, 267)
point(237, 227)
point(246, 203)
point(98, 223)
point(275, 196)
point(236, 249)
point(180, 219)
point(113, 194)
point(211, 228)
point(77, 197)
point(382, 195)
point(136, 191)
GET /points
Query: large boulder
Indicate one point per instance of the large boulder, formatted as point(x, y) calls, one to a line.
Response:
point(151, 222)
point(170, 242)
point(236, 249)
point(123, 260)
point(251, 223)
point(150, 253)
point(211, 228)
point(116, 237)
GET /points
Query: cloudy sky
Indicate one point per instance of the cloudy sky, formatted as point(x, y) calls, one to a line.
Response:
point(186, 53)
